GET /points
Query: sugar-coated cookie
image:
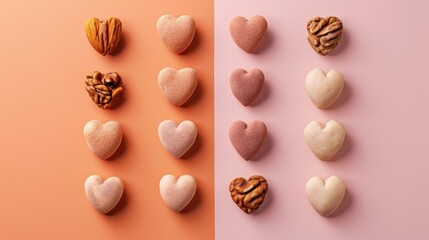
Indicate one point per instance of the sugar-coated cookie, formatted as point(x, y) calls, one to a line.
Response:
point(324, 89)
point(103, 195)
point(177, 86)
point(325, 195)
point(177, 139)
point(176, 33)
point(324, 140)
point(103, 139)
point(177, 193)
point(247, 139)
point(246, 85)
point(248, 194)
point(248, 34)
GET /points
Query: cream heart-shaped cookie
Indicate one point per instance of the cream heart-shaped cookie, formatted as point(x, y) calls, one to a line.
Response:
point(246, 85)
point(324, 140)
point(325, 196)
point(177, 139)
point(176, 33)
point(103, 195)
point(177, 86)
point(247, 139)
point(103, 139)
point(248, 34)
point(324, 89)
point(177, 193)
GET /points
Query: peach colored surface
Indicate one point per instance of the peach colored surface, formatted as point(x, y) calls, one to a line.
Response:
point(384, 57)
point(44, 160)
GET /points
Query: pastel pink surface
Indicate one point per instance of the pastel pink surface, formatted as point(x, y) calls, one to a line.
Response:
point(103, 139)
point(246, 85)
point(384, 161)
point(177, 139)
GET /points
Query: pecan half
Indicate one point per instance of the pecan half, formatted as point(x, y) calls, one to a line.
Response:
point(324, 33)
point(104, 36)
point(104, 89)
point(248, 194)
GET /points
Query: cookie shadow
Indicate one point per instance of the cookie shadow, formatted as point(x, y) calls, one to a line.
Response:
point(121, 101)
point(344, 205)
point(265, 148)
point(344, 150)
point(194, 44)
point(266, 43)
point(342, 44)
point(121, 45)
point(266, 204)
point(262, 96)
point(121, 205)
point(120, 150)
point(196, 95)
point(194, 149)
point(344, 97)
point(196, 200)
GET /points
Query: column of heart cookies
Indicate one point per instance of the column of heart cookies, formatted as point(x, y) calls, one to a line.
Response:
point(105, 90)
point(177, 86)
point(247, 138)
point(324, 140)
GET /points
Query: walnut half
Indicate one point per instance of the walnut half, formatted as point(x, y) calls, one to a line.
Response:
point(104, 89)
point(324, 33)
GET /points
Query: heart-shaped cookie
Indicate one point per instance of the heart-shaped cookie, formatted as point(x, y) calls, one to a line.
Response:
point(104, 36)
point(324, 33)
point(324, 140)
point(176, 33)
point(325, 196)
point(248, 34)
point(177, 86)
point(247, 139)
point(248, 194)
point(177, 139)
point(103, 139)
point(103, 195)
point(246, 85)
point(177, 193)
point(324, 89)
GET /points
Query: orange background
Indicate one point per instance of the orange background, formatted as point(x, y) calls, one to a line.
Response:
point(45, 57)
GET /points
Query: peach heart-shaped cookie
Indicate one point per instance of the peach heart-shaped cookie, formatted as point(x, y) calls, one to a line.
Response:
point(177, 139)
point(248, 34)
point(324, 89)
point(246, 85)
point(176, 33)
point(324, 140)
point(103, 139)
point(177, 86)
point(247, 139)
point(177, 193)
point(103, 195)
point(248, 194)
point(325, 196)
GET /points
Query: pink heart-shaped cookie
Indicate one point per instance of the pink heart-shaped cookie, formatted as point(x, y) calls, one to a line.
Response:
point(177, 193)
point(247, 34)
point(103, 195)
point(176, 33)
point(177, 86)
point(103, 139)
point(246, 85)
point(177, 139)
point(247, 139)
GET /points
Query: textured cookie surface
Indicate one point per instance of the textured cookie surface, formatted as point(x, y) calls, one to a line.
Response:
point(246, 85)
point(103, 139)
point(177, 193)
point(324, 89)
point(177, 86)
point(325, 196)
point(324, 140)
point(248, 34)
point(177, 139)
point(176, 33)
point(103, 195)
point(247, 139)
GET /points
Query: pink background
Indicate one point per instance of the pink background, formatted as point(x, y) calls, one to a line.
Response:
point(384, 161)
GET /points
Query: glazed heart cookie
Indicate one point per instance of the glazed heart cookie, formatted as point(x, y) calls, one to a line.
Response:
point(247, 139)
point(177, 193)
point(176, 33)
point(248, 194)
point(325, 196)
point(246, 85)
point(177, 86)
point(103, 139)
point(324, 89)
point(324, 140)
point(177, 139)
point(103, 195)
point(248, 34)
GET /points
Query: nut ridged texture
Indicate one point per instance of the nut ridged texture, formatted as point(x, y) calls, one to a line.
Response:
point(103, 35)
point(324, 33)
point(248, 194)
point(104, 89)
